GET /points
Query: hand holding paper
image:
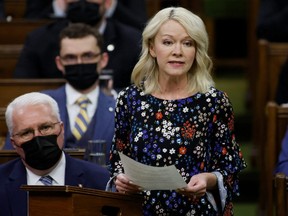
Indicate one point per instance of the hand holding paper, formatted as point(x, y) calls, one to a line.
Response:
point(150, 177)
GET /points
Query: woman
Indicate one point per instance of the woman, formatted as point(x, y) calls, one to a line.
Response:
point(172, 114)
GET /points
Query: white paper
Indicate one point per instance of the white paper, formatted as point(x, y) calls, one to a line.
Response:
point(150, 177)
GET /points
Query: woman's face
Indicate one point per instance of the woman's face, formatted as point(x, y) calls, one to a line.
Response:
point(174, 49)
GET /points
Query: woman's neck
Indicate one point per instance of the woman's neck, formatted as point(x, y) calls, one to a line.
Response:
point(172, 90)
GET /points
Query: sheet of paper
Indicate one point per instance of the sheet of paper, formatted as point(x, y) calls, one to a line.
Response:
point(150, 177)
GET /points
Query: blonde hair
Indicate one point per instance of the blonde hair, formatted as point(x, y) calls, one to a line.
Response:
point(199, 75)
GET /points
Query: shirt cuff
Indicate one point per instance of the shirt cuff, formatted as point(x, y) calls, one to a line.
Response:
point(222, 192)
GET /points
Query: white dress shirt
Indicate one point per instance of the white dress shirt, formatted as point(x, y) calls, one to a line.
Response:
point(58, 174)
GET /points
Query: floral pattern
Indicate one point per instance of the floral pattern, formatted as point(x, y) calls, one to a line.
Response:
point(195, 134)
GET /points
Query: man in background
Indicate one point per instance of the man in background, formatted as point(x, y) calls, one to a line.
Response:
point(37, 135)
point(130, 12)
point(81, 60)
point(122, 43)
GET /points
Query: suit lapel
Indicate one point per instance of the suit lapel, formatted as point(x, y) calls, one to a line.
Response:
point(73, 173)
point(104, 114)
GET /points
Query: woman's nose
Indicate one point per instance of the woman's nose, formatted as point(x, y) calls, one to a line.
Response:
point(177, 49)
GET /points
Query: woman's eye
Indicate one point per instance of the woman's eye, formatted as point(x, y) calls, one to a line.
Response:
point(167, 42)
point(188, 43)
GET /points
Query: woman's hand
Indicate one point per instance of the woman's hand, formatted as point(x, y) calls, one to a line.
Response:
point(199, 184)
point(125, 185)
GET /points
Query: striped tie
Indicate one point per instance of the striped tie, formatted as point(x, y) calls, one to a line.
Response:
point(46, 180)
point(82, 119)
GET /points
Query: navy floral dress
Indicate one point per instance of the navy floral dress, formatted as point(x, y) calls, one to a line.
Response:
point(196, 134)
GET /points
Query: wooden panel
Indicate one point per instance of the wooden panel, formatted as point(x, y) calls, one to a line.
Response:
point(9, 54)
point(153, 6)
point(79, 201)
point(15, 8)
point(15, 32)
point(11, 88)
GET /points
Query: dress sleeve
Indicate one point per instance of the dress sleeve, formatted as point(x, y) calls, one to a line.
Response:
point(227, 157)
point(122, 133)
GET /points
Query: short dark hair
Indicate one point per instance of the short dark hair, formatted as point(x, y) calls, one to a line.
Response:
point(80, 30)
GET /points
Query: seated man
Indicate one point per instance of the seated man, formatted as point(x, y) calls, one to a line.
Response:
point(272, 19)
point(122, 42)
point(282, 164)
point(81, 60)
point(130, 12)
point(37, 135)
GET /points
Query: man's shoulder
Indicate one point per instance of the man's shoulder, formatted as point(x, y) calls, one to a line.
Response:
point(84, 165)
point(121, 28)
point(7, 167)
point(55, 93)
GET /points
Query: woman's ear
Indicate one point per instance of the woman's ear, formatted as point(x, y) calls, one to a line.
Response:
point(151, 51)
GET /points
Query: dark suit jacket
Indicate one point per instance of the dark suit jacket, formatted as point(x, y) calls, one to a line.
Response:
point(282, 165)
point(130, 12)
point(101, 125)
point(36, 9)
point(37, 59)
point(2, 11)
point(13, 201)
point(272, 20)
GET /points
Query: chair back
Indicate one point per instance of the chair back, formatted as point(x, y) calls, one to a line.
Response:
point(281, 194)
point(271, 57)
point(276, 121)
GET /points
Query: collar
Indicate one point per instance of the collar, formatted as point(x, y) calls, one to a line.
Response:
point(58, 174)
point(72, 95)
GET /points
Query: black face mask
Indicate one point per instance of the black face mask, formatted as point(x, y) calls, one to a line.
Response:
point(42, 152)
point(84, 12)
point(81, 76)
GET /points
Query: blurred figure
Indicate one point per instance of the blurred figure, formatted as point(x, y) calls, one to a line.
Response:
point(129, 12)
point(81, 61)
point(2, 11)
point(37, 135)
point(272, 20)
point(45, 9)
point(122, 42)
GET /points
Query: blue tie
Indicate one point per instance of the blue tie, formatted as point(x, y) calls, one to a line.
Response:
point(46, 180)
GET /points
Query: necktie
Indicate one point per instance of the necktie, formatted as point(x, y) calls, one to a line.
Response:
point(82, 119)
point(46, 180)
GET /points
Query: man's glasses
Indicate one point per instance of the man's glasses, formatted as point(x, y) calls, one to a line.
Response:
point(88, 57)
point(28, 134)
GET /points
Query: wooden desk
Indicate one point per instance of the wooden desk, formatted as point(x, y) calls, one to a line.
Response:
point(77, 201)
